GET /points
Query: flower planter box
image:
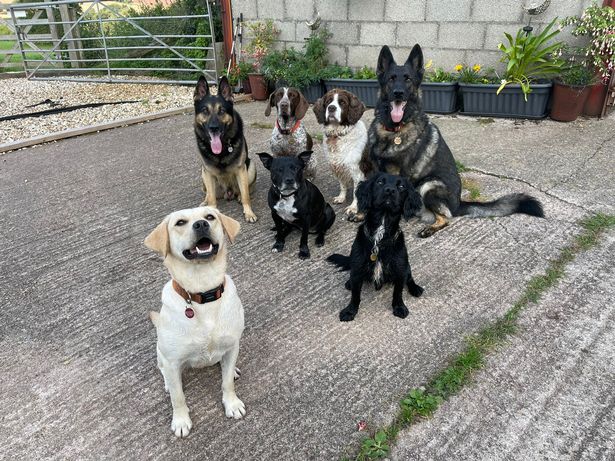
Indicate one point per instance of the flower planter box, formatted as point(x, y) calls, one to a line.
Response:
point(439, 97)
point(365, 90)
point(480, 99)
point(312, 92)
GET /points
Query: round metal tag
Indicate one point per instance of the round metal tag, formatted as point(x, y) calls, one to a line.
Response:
point(189, 312)
point(397, 140)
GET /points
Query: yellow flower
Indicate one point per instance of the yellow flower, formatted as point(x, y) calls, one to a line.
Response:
point(459, 67)
point(476, 68)
point(429, 64)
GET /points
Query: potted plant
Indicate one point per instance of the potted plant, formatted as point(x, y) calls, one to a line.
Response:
point(363, 83)
point(570, 92)
point(524, 91)
point(264, 35)
point(439, 90)
point(598, 24)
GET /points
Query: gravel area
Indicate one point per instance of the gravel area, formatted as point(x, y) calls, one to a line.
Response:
point(17, 94)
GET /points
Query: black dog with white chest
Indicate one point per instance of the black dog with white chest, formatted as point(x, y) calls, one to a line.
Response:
point(379, 251)
point(295, 202)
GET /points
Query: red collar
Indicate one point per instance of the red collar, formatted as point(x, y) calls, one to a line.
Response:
point(395, 129)
point(199, 298)
point(292, 130)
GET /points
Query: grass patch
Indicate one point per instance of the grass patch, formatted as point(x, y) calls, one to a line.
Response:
point(461, 168)
point(472, 187)
point(264, 126)
point(485, 120)
point(422, 402)
point(317, 137)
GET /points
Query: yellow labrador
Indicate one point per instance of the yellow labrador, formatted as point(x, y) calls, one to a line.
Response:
point(201, 319)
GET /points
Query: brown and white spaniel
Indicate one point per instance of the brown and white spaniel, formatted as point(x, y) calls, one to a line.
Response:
point(344, 143)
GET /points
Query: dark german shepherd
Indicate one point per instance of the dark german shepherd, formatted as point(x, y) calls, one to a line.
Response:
point(227, 170)
point(403, 141)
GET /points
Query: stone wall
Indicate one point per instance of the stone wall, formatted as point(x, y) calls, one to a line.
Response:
point(449, 31)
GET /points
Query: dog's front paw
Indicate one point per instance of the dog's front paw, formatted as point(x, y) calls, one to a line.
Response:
point(415, 290)
point(400, 311)
point(181, 423)
point(304, 253)
point(278, 247)
point(356, 217)
point(250, 216)
point(233, 407)
point(339, 198)
point(348, 314)
point(320, 241)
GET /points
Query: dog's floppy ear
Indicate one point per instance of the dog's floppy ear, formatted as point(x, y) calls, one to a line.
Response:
point(224, 89)
point(271, 103)
point(415, 60)
point(413, 203)
point(230, 226)
point(319, 110)
point(202, 88)
point(302, 106)
point(356, 109)
point(158, 239)
point(364, 194)
point(385, 59)
point(266, 159)
point(305, 157)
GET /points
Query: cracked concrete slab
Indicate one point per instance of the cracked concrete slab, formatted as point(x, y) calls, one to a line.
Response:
point(547, 393)
point(78, 352)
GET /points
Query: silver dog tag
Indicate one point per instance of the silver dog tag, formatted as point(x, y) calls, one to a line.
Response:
point(230, 148)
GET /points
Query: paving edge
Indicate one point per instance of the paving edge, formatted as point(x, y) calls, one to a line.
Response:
point(71, 133)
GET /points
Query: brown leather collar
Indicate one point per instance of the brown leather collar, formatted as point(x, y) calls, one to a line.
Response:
point(200, 298)
point(395, 129)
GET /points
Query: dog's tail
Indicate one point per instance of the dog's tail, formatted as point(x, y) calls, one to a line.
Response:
point(504, 206)
point(341, 261)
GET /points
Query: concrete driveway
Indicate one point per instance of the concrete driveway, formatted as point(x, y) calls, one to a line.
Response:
point(79, 377)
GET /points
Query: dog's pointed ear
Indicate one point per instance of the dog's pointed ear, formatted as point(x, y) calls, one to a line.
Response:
point(415, 60)
point(230, 226)
point(356, 109)
point(385, 59)
point(305, 157)
point(319, 110)
point(224, 89)
point(302, 106)
point(413, 203)
point(271, 103)
point(202, 88)
point(364, 194)
point(266, 159)
point(158, 239)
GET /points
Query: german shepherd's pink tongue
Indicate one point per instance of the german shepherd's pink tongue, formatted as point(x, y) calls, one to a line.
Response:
point(397, 111)
point(216, 143)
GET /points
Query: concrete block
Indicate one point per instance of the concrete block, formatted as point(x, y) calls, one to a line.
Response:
point(445, 10)
point(366, 10)
point(502, 10)
point(423, 33)
point(447, 59)
point(338, 54)
point(301, 10)
point(302, 31)
point(486, 58)
point(269, 9)
point(343, 33)
point(377, 33)
point(332, 10)
point(247, 7)
point(359, 56)
point(287, 30)
point(404, 10)
point(495, 34)
point(561, 9)
point(461, 35)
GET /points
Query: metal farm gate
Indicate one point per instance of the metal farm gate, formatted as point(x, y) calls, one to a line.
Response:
point(99, 41)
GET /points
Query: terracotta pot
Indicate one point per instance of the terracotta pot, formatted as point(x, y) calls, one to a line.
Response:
point(259, 86)
point(595, 100)
point(247, 89)
point(568, 101)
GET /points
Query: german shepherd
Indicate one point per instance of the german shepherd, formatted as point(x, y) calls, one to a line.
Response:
point(403, 141)
point(226, 170)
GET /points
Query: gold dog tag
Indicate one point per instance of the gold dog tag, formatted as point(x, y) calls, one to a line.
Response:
point(397, 140)
point(373, 257)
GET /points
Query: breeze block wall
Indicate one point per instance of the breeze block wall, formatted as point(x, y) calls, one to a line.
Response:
point(449, 31)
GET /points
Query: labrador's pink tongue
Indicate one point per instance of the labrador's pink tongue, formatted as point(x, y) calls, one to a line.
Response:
point(216, 143)
point(397, 112)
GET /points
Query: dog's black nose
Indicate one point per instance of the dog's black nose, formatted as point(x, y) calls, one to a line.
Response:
point(202, 224)
point(290, 181)
point(388, 190)
point(398, 93)
point(332, 108)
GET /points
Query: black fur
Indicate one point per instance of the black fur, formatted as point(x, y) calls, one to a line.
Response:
point(420, 153)
point(312, 213)
point(384, 199)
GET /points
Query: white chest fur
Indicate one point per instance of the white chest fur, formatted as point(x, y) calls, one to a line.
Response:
point(286, 208)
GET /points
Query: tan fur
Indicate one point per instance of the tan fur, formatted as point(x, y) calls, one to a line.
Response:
point(158, 239)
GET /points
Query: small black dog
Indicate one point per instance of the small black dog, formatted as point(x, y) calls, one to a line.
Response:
point(295, 202)
point(379, 250)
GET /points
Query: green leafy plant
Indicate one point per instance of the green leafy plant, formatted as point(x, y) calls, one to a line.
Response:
point(530, 57)
point(598, 24)
point(475, 74)
point(264, 34)
point(578, 75)
point(439, 75)
point(365, 73)
point(375, 448)
point(336, 71)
